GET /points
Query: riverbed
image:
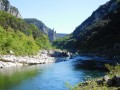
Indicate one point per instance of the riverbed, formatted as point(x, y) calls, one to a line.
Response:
point(52, 76)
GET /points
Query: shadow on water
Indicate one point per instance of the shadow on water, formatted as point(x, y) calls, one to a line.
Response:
point(47, 76)
point(90, 67)
point(92, 64)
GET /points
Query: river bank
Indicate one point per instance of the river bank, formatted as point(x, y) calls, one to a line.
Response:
point(111, 81)
point(12, 60)
point(43, 57)
point(102, 56)
point(51, 76)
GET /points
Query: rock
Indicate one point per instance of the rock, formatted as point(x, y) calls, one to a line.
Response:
point(11, 52)
point(65, 54)
point(59, 53)
point(44, 52)
point(106, 78)
point(5, 6)
point(50, 52)
point(113, 82)
point(113, 6)
point(51, 33)
point(99, 82)
point(109, 82)
point(12, 60)
point(116, 81)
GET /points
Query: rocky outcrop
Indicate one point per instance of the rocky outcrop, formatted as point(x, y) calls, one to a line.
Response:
point(5, 6)
point(51, 33)
point(59, 53)
point(97, 15)
point(11, 60)
point(110, 82)
point(98, 34)
point(43, 57)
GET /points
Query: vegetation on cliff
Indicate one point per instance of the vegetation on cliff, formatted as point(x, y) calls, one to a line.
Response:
point(41, 26)
point(99, 34)
point(18, 36)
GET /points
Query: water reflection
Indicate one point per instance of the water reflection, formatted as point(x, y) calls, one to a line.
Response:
point(45, 77)
point(14, 76)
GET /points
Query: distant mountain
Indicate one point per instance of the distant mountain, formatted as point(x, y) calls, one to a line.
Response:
point(98, 15)
point(60, 35)
point(5, 6)
point(99, 33)
point(18, 36)
point(46, 30)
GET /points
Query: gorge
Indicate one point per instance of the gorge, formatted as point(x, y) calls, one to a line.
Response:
point(36, 57)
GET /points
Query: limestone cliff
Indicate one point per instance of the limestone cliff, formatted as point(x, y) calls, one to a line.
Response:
point(46, 30)
point(5, 6)
point(97, 15)
point(98, 34)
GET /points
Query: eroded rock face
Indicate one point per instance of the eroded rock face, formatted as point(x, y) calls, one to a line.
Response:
point(51, 33)
point(97, 15)
point(5, 6)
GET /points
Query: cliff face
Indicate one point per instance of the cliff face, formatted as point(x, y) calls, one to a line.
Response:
point(99, 33)
point(5, 6)
point(97, 15)
point(46, 30)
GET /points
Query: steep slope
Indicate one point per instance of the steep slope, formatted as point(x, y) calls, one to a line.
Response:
point(99, 34)
point(97, 15)
point(5, 6)
point(18, 36)
point(49, 32)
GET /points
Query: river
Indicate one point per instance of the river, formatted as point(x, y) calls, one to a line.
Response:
point(46, 76)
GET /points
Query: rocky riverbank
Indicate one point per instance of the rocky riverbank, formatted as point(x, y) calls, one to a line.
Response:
point(43, 57)
point(11, 60)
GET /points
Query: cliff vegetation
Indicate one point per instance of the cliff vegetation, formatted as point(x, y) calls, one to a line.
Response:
point(99, 33)
point(18, 36)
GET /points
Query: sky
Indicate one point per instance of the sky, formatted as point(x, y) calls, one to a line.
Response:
point(62, 15)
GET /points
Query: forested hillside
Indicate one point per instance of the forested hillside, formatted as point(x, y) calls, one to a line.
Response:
point(41, 26)
point(99, 34)
point(18, 36)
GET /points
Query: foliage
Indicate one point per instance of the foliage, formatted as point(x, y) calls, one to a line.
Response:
point(43, 42)
point(20, 37)
point(64, 43)
point(118, 1)
point(113, 70)
point(100, 37)
point(92, 85)
point(17, 42)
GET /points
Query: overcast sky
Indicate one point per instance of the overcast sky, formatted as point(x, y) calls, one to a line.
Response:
point(62, 15)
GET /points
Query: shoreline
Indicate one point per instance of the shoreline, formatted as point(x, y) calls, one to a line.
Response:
point(43, 57)
point(11, 60)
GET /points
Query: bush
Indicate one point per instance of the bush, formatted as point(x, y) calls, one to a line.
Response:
point(93, 85)
point(17, 41)
point(20, 37)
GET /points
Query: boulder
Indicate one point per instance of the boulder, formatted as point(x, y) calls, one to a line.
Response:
point(11, 52)
point(116, 81)
point(106, 78)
